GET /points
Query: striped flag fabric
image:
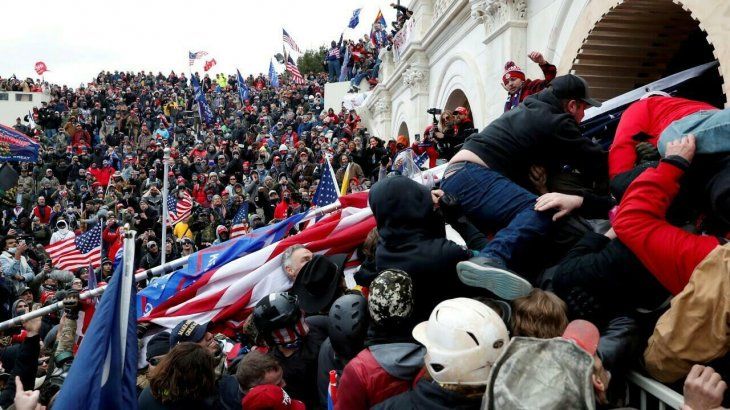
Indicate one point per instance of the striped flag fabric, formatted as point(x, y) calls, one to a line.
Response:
point(78, 252)
point(326, 192)
point(226, 296)
point(290, 41)
point(163, 288)
point(196, 55)
point(237, 227)
point(179, 208)
point(291, 67)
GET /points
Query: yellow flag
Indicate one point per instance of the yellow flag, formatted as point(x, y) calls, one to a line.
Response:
point(346, 180)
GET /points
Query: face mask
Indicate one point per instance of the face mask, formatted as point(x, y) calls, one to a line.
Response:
point(12, 250)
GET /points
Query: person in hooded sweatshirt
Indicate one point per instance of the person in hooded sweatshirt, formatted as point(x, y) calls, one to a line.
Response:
point(413, 239)
point(391, 359)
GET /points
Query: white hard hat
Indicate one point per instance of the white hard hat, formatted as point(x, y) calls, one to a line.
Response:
point(463, 339)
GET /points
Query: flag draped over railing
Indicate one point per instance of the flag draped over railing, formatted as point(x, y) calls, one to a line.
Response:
point(225, 295)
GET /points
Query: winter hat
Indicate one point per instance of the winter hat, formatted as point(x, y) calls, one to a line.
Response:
point(511, 70)
point(391, 298)
point(158, 345)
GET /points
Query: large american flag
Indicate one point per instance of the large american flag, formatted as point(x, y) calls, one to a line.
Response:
point(225, 296)
point(290, 41)
point(78, 252)
point(291, 67)
point(237, 228)
point(178, 209)
point(196, 55)
point(327, 192)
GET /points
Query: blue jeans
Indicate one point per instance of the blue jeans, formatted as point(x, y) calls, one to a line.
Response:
point(491, 201)
point(711, 129)
point(333, 69)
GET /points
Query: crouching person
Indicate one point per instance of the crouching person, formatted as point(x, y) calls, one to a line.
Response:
point(695, 268)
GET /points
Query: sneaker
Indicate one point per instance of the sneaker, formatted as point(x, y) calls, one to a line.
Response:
point(492, 275)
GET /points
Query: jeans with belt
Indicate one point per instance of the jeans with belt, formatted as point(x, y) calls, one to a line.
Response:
point(491, 201)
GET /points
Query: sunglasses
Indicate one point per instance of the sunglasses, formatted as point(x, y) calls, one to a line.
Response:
point(154, 361)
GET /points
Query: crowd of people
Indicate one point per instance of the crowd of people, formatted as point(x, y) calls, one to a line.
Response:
point(575, 265)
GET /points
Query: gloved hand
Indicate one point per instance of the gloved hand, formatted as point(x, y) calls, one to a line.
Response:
point(450, 208)
point(646, 152)
point(71, 304)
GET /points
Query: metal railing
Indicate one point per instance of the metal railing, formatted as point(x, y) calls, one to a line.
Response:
point(652, 394)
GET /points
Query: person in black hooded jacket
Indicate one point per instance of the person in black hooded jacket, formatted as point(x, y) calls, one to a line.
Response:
point(413, 239)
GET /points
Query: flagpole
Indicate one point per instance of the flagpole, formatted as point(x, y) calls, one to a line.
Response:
point(128, 280)
point(165, 194)
point(163, 269)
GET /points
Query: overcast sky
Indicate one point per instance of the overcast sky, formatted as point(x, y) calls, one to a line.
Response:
point(77, 39)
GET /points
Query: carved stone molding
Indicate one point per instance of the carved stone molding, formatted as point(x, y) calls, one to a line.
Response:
point(496, 13)
point(413, 77)
point(381, 107)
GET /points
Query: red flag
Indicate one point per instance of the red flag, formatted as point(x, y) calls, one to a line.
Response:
point(209, 64)
point(40, 67)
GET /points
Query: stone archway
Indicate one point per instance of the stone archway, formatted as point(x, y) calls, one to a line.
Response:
point(457, 98)
point(622, 45)
point(403, 129)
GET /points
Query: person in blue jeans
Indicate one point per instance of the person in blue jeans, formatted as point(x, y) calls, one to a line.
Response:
point(483, 174)
point(333, 62)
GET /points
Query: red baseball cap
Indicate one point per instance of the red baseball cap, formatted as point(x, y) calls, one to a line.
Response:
point(270, 397)
point(584, 333)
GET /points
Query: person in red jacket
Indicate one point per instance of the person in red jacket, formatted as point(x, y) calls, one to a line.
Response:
point(112, 235)
point(282, 208)
point(80, 138)
point(668, 252)
point(42, 211)
point(427, 145)
point(518, 87)
point(645, 120)
point(391, 361)
point(103, 174)
point(695, 268)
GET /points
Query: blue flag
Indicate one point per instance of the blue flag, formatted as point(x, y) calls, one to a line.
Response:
point(104, 372)
point(273, 77)
point(355, 19)
point(203, 108)
point(213, 257)
point(243, 91)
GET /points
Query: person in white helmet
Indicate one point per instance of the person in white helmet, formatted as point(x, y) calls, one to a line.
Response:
point(463, 339)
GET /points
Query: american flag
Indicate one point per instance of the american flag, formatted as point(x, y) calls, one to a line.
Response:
point(196, 55)
point(226, 295)
point(75, 253)
point(291, 67)
point(327, 192)
point(179, 209)
point(237, 228)
point(290, 41)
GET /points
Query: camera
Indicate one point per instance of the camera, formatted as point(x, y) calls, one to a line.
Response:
point(434, 111)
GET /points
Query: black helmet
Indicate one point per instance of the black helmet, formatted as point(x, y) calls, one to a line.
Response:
point(348, 325)
point(276, 311)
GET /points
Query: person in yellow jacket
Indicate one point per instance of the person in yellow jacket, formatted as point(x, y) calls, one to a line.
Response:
point(182, 229)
